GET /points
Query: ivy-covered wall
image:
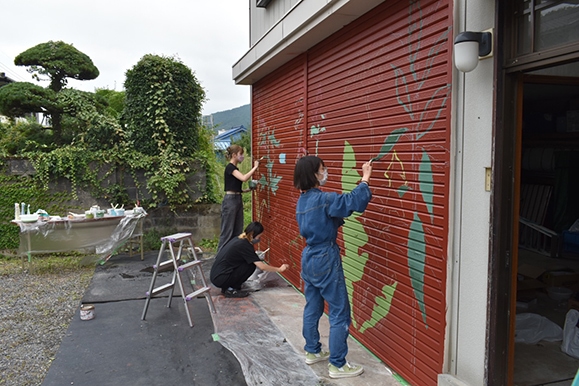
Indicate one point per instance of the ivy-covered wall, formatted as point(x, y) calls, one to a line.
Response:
point(61, 197)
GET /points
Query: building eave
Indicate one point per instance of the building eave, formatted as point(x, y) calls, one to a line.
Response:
point(302, 27)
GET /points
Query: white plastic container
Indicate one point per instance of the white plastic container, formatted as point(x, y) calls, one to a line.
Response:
point(559, 293)
point(29, 217)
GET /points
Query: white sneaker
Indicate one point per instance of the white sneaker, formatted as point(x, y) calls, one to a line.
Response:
point(345, 371)
point(312, 358)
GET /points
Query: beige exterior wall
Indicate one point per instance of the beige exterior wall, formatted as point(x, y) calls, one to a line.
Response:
point(287, 28)
point(473, 114)
point(262, 19)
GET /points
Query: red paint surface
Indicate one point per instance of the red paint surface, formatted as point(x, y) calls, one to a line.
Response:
point(347, 85)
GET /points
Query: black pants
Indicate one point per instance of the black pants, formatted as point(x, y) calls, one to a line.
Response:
point(231, 218)
point(235, 278)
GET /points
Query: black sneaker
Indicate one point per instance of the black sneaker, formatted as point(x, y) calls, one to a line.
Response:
point(234, 293)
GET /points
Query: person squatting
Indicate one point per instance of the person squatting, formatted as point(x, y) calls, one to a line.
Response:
point(236, 261)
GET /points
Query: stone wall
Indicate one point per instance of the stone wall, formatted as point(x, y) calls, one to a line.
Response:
point(203, 221)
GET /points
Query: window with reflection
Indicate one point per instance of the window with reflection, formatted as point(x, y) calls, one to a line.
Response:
point(545, 24)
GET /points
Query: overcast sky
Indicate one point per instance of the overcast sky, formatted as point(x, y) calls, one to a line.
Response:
point(207, 36)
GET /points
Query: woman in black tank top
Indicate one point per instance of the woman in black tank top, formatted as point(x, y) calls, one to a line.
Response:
point(232, 205)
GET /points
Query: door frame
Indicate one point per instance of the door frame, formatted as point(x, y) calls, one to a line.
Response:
point(507, 132)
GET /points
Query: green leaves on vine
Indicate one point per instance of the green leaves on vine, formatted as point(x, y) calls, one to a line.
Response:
point(163, 106)
point(153, 130)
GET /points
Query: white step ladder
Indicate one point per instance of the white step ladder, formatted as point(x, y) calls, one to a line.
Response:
point(182, 242)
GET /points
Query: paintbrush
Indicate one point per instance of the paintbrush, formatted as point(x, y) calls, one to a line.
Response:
point(263, 253)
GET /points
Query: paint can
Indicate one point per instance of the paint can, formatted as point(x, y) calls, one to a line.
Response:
point(86, 312)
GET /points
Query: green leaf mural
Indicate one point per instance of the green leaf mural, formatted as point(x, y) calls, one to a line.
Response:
point(426, 182)
point(315, 131)
point(355, 237)
point(382, 306)
point(402, 189)
point(409, 83)
point(269, 180)
point(416, 261)
point(271, 138)
point(354, 234)
point(390, 141)
point(274, 183)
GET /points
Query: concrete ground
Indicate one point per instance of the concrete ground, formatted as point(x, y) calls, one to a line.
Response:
point(251, 341)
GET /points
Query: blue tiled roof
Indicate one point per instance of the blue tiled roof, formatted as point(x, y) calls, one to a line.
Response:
point(238, 130)
point(221, 145)
point(223, 140)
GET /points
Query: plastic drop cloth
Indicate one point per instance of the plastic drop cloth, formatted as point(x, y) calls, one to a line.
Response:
point(102, 235)
point(245, 329)
point(533, 328)
point(570, 345)
point(121, 234)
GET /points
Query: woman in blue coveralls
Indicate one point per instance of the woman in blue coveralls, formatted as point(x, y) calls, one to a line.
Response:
point(319, 215)
point(232, 205)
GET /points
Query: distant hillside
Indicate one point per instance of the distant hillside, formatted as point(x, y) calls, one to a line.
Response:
point(225, 120)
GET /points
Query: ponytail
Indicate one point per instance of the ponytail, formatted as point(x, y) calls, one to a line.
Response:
point(233, 149)
point(253, 230)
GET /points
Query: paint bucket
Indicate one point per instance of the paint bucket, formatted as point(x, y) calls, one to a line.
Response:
point(86, 312)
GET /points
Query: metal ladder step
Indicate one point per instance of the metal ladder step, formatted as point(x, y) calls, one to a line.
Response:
point(164, 263)
point(176, 237)
point(179, 243)
point(194, 294)
point(189, 265)
point(160, 289)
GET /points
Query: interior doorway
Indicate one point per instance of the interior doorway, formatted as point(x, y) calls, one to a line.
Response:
point(546, 283)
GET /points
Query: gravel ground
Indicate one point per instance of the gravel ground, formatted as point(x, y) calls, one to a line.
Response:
point(35, 311)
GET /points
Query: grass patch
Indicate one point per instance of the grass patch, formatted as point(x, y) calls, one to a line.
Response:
point(152, 240)
point(209, 245)
point(45, 264)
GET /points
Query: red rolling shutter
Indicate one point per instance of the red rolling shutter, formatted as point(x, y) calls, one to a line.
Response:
point(378, 88)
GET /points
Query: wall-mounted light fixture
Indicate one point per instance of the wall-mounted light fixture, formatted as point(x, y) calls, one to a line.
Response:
point(469, 47)
point(262, 3)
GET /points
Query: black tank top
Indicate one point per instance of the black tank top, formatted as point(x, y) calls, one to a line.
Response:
point(232, 184)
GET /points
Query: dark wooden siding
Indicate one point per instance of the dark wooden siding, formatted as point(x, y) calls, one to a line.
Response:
point(378, 88)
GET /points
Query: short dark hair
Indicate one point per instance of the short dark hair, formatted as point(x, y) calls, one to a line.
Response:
point(253, 229)
point(305, 172)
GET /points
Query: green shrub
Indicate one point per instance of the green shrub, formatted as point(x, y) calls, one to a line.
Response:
point(152, 238)
point(209, 244)
point(22, 136)
point(16, 189)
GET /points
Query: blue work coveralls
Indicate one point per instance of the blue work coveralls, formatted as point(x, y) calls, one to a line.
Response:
point(319, 215)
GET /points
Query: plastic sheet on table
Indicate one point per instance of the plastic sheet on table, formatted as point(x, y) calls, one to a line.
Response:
point(120, 235)
point(41, 227)
point(62, 235)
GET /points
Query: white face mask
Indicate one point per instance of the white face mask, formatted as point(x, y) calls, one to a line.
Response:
point(240, 158)
point(324, 178)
